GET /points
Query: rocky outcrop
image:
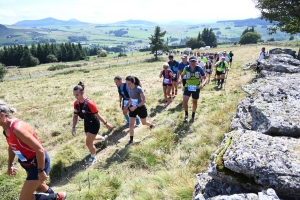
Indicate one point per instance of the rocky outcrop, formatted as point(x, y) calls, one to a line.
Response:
point(283, 51)
point(262, 150)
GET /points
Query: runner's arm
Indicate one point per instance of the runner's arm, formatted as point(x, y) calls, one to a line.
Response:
point(120, 98)
point(101, 118)
point(160, 75)
point(11, 157)
point(143, 100)
point(24, 135)
point(75, 119)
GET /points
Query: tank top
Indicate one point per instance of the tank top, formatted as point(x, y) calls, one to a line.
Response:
point(16, 145)
point(167, 78)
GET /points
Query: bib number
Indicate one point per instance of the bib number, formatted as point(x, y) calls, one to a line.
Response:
point(125, 103)
point(20, 155)
point(166, 81)
point(208, 70)
point(134, 102)
point(192, 88)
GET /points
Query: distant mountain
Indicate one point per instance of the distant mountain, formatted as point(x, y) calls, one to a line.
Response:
point(178, 23)
point(136, 22)
point(247, 22)
point(49, 21)
point(3, 28)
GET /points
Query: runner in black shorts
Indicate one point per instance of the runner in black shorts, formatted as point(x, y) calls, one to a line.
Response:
point(167, 74)
point(136, 105)
point(208, 70)
point(230, 58)
point(87, 110)
point(174, 66)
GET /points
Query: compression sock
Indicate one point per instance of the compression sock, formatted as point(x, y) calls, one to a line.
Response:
point(50, 191)
point(45, 196)
point(218, 81)
point(127, 118)
point(131, 138)
point(193, 115)
point(222, 81)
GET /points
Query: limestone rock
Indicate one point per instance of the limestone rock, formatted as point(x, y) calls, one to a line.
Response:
point(272, 107)
point(283, 63)
point(269, 161)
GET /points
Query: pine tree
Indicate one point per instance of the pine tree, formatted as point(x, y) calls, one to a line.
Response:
point(40, 53)
point(33, 50)
point(157, 41)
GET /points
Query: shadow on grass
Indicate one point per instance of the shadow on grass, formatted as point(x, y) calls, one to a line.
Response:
point(154, 111)
point(61, 175)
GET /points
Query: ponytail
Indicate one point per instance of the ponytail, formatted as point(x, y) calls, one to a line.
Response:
point(134, 80)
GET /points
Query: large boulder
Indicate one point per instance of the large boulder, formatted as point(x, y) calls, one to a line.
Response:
point(272, 107)
point(283, 51)
point(283, 63)
point(256, 161)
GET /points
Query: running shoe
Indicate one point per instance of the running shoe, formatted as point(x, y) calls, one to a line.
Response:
point(137, 121)
point(126, 125)
point(186, 119)
point(166, 104)
point(91, 160)
point(61, 195)
point(104, 140)
point(129, 143)
point(152, 126)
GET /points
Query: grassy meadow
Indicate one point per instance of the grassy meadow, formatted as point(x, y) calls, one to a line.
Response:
point(161, 164)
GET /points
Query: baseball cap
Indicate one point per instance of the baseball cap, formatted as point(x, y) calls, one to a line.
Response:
point(171, 56)
point(193, 58)
point(184, 56)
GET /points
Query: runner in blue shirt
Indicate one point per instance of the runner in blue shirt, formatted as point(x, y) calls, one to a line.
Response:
point(181, 66)
point(124, 97)
point(173, 64)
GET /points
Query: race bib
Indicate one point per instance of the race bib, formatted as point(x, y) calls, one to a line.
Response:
point(134, 102)
point(174, 75)
point(208, 70)
point(125, 103)
point(166, 81)
point(192, 88)
point(20, 155)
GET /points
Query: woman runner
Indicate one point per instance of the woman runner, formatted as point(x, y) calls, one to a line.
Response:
point(24, 143)
point(208, 70)
point(167, 74)
point(87, 110)
point(136, 105)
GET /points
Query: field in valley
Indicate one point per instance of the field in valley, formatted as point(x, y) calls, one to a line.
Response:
point(162, 163)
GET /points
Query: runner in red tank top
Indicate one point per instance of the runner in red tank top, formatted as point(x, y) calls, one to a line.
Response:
point(24, 143)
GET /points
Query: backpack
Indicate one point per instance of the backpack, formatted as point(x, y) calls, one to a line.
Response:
point(85, 112)
point(124, 92)
point(189, 73)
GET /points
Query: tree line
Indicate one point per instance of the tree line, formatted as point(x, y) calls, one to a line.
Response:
point(25, 56)
point(206, 38)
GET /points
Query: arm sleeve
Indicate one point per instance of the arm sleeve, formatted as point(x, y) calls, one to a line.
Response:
point(75, 109)
point(93, 107)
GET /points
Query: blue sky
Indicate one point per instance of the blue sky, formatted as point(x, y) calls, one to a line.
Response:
point(100, 11)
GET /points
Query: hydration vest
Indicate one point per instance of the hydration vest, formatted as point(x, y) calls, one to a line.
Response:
point(221, 68)
point(124, 92)
point(85, 113)
point(190, 74)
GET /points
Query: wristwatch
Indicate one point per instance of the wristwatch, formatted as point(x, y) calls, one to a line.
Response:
point(40, 170)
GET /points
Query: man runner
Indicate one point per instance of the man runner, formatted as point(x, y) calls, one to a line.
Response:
point(181, 66)
point(222, 68)
point(173, 64)
point(230, 58)
point(261, 57)
point(124, 98)
point(194, 74)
